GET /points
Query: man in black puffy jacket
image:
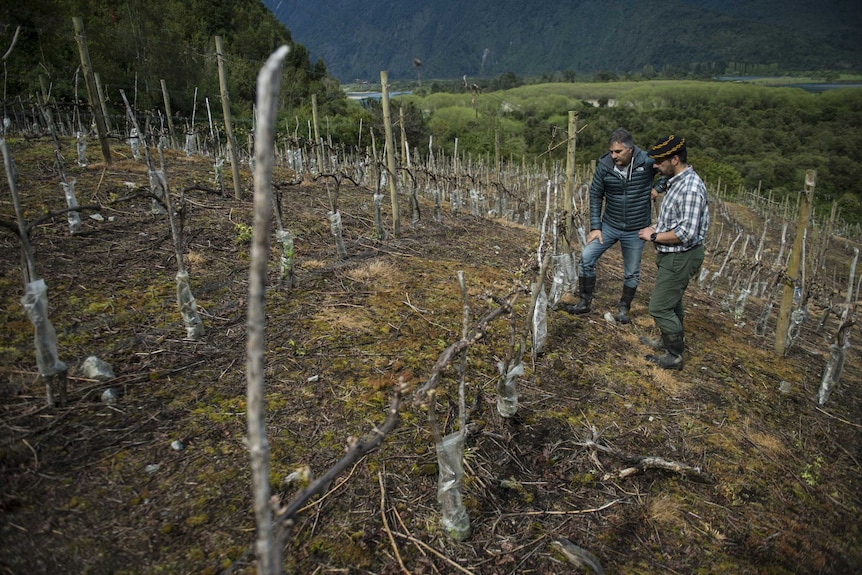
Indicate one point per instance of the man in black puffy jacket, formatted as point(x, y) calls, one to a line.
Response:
point(620, 205)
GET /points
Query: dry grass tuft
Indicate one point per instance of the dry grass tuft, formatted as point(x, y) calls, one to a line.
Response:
point(666, 511)
point(195, 259)
point(766, 442)
point(632, 340)
point(129, 165)
point(347, 319)
point(670, 382)
point(510, 224)
point(377, 273)
point(313, 264)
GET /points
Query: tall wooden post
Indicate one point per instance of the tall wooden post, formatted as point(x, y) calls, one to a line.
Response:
point(405, 153)
point(228, 125)
point(455, 168)
point(318, 143)
point(103, 102)
point(390, 152)
point(497, 169)
point(43, 83)
point(168, 113)
point(793, 267)
point(497, 145)
point(92, 93)
point(570, 177)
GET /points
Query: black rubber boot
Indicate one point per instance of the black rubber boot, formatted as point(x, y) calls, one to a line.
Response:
point(625, 304)
point(587, 286)
point(674, 343)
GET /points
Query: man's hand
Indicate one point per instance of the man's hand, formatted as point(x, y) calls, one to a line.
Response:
point(645, 233)
point(595, 234)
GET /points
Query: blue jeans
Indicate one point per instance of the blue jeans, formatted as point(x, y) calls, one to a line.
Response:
point(631, 245)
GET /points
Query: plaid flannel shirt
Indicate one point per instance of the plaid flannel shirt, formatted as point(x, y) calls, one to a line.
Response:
point(685, 211)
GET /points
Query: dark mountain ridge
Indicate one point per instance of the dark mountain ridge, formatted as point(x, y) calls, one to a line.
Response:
point(357, 39)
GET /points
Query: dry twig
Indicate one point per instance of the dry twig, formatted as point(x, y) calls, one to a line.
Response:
point(386, 523)
point(642, 463)
point(285, 516)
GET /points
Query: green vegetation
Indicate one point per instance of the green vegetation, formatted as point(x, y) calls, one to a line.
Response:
point(135, 44)
point(748, 135)
point(243, 233)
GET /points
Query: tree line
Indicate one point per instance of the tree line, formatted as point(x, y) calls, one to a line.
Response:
point(135, 44)
point(748, 136)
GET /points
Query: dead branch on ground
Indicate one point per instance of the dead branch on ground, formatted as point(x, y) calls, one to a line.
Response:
point(285, 517)
point(637, 464)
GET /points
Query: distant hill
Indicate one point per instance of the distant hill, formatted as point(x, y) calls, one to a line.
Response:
point(357, 39)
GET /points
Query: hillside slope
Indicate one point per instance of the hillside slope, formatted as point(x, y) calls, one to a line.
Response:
point(96, 487)
point(358, 39)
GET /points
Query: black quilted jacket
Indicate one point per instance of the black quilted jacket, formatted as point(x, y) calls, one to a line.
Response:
point(622, 201)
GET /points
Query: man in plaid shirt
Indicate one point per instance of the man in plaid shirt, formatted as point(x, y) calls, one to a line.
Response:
point(678, 237)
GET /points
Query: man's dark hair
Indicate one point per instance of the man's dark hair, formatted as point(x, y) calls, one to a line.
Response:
point(622, 136)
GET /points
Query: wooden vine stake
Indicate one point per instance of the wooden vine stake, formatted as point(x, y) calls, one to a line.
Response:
point(92, 92)
point(286, 276)
point(564, 264)
point(390, 152)
point(35, 301)
point(794, 267)
point(103, 102)
point(268, 80)
point(228, 125)
point(168, 113)
point(405, 147)
point(497, 179)
point(318, 142)
point(568, 203)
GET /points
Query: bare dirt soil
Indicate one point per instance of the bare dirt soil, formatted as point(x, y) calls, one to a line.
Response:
point(95, 487)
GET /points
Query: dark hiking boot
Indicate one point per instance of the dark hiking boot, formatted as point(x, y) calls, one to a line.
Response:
point(674, 343)
point(587, 286)
point(625, 304)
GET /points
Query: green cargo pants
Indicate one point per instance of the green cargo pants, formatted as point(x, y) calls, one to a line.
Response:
point(675, 270)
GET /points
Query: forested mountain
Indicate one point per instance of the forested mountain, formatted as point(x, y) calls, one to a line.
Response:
point(134, 44)
point(486, 38)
